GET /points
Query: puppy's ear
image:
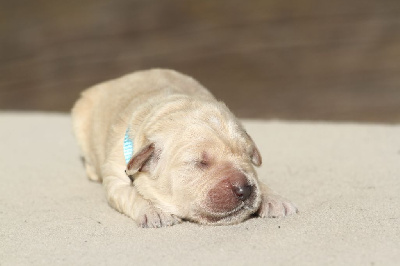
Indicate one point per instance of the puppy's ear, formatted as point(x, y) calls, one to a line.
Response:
point(142, 161)
point(255, 154)
point(256, 158)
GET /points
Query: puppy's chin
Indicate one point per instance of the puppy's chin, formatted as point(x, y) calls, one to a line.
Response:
point(236, 216)
point(243, 211)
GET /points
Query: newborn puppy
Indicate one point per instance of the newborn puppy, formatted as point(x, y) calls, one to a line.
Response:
point(166, 150)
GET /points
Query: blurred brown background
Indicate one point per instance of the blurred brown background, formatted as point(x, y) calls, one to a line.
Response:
point(309, 60)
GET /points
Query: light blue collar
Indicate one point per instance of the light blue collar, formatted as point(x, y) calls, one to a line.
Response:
point(128, 147)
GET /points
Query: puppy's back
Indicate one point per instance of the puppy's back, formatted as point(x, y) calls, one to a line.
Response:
point(105, 108)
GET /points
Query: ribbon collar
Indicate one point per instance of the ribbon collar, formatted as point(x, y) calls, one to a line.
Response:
point(128, 146)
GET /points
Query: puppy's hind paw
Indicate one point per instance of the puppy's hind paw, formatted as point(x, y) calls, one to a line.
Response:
point(153, 217)
point(275, 206)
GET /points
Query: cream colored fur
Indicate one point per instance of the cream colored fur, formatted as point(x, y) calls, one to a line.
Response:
point(186, 143)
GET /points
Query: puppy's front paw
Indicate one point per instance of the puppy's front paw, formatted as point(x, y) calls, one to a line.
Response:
point(275, 206)
point(152, 217)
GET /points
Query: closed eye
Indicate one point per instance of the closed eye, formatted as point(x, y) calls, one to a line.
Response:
point(203, 164)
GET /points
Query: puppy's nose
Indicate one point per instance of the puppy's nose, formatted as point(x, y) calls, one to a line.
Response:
point(243, 192)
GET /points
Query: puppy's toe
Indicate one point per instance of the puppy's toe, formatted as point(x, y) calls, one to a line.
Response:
point(153, 217)
point(275, 206)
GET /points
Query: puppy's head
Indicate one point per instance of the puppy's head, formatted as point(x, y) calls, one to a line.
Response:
point(199, 167)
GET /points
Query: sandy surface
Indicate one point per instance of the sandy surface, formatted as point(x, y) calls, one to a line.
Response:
point(345, 179)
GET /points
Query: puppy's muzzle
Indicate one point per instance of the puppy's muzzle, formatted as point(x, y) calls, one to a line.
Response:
point(230, 193)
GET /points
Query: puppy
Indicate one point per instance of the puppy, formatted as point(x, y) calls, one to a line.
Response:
point(166, 150)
